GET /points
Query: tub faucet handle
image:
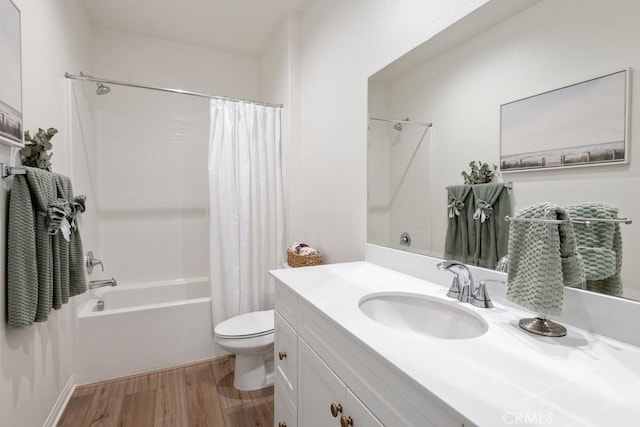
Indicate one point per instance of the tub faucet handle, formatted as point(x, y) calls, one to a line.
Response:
point(91, 262)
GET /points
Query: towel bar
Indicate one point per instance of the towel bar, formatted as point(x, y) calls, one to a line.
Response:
point(587, 222)
point(7, 170)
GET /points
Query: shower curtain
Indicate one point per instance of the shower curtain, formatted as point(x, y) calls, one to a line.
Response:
point(246, 216)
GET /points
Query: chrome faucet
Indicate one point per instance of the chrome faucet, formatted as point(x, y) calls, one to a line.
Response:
point(478, 297)
point(101, 283)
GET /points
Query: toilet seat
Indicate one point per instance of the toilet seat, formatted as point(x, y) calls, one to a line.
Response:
point(249, 325)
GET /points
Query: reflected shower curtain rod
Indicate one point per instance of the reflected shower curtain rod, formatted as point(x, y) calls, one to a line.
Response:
point(89, 78)
point(409, 122)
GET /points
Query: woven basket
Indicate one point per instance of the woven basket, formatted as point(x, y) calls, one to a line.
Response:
point(296, 260)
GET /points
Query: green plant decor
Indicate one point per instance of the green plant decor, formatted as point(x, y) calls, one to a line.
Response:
point(36, 153)
point(481, 173)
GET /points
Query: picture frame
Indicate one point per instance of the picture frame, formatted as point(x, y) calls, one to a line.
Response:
point(583, 124)
point(11, 125)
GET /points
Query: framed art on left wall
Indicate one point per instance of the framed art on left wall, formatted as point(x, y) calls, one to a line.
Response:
point(10, 75)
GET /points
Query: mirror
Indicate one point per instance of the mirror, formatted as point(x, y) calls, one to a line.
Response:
point(458, 80)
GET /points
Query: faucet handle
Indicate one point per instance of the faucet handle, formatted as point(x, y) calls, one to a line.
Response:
point(92, 262)
point(481, 296)
point(454, 290)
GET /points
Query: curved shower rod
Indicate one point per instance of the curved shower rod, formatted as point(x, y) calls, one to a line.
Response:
point(89, 78)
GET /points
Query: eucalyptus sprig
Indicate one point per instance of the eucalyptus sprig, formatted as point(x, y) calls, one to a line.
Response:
point(481, 173)
point(36, 153)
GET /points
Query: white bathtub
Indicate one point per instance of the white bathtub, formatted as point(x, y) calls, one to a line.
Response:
point(145, 327)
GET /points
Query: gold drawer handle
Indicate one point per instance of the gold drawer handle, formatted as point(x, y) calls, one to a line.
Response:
point(282, 424)
point(282, 355)
point(346, 421)
point(336, 408)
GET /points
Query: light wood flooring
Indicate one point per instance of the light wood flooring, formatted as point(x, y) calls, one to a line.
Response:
point(200, 394)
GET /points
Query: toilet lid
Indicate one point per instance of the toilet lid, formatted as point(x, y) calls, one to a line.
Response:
point(254, 324)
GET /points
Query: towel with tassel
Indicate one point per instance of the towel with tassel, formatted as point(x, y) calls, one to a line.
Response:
point(460, 239)
point(40, 264)
point(600, 247)
point(543, 258)
point(492, 204)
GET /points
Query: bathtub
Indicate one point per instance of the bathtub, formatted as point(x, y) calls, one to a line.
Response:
point(144, 327)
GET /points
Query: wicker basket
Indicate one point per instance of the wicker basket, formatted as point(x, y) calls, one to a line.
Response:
point(296, 260)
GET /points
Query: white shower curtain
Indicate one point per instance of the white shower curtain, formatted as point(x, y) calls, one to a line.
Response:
point(246, 216)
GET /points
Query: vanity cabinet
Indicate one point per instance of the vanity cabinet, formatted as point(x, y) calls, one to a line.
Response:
point(326, 371)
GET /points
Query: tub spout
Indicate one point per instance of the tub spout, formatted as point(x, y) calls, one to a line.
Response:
point(101, 283)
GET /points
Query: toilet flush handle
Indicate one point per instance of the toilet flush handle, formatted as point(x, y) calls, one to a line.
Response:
point(282, 355)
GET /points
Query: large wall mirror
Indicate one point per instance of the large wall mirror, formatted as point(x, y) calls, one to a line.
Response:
point(503, 52)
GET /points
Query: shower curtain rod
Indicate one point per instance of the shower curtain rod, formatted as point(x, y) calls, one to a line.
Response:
point(89, 78)
point(409, 122)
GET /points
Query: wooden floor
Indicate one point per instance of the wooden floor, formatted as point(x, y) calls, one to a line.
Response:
point(201, 394)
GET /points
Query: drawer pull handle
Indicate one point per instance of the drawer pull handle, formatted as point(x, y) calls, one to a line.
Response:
point(282, 424)
point(346, 421)
point(336, 408)
point(282, 355)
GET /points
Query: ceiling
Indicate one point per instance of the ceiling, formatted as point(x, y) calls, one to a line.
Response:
point(240, 26)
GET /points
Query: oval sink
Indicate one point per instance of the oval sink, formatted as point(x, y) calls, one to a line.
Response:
point(423, 315)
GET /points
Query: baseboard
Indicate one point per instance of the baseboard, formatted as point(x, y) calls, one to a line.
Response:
point(61, 403)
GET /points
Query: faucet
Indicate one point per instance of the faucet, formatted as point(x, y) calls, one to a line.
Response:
point(478, 297)
point(101, 283)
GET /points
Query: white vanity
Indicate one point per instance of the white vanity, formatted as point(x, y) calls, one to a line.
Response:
point(336, 366)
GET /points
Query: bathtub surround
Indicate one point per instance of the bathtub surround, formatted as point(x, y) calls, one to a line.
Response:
point(246, 207)
point(45, 261)
point(169, 223)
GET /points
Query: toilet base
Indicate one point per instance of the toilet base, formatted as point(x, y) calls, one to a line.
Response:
point(253, 371)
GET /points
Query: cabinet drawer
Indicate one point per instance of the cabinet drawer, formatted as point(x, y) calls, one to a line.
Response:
point(284, 412)
point(287, 304)
point(286, 357)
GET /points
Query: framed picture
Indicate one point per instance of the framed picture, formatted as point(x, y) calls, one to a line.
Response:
point(10, 75)
point(585, 124)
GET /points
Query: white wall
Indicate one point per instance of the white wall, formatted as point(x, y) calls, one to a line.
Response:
point(152, 147)
point(36, 363)
point(280, 83)
point(550, 45)
point(342, 44)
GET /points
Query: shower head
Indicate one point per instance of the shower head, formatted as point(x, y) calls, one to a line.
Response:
point(102, 89)
point(398, 125)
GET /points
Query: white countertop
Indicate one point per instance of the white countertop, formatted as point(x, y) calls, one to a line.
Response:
point(506, 376)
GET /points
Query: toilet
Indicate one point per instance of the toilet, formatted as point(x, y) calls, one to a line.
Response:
point(250, 337)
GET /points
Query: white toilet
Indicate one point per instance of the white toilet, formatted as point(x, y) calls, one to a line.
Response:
point(250, 337)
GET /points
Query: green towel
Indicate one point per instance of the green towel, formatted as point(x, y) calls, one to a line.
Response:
point(600, 247)
point(38, 258)
point(74, 268)
point(492, 204)
point(460, 239)
point(543, 258)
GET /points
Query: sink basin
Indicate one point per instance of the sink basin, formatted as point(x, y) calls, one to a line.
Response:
point(423, 315)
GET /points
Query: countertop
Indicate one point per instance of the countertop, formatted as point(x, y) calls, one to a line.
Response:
point(506, 376)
